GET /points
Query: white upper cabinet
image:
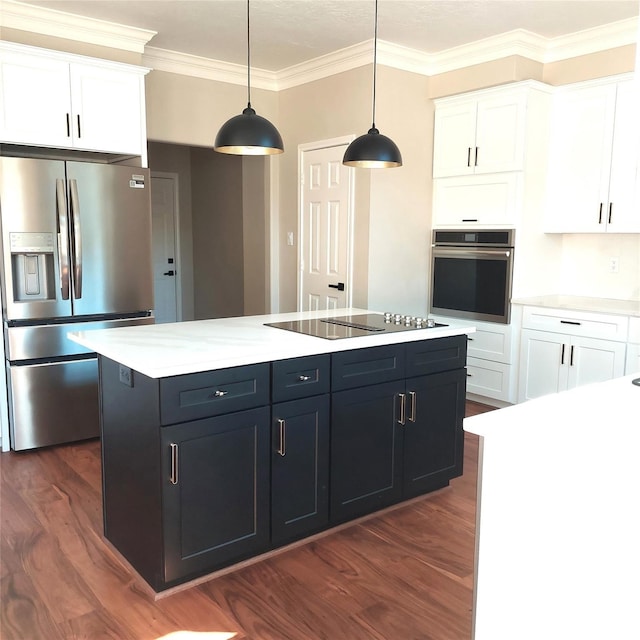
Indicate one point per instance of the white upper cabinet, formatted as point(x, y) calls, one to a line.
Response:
point(483, 132)
point(593, 181)
point(52, 99)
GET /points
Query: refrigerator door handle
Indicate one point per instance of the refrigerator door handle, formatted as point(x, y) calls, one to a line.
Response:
point(63, 238)
point(77, 239)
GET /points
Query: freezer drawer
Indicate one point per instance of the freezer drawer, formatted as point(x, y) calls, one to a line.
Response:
point(50, 340)
point(53, 403)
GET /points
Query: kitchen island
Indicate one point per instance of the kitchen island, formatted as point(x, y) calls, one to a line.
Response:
point(226, 439)
point(558, 525)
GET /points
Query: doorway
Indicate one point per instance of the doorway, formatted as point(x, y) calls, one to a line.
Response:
point(166, 255)
point(325, 223)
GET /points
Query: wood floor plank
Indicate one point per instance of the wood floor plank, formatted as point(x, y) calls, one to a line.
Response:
point(404, 575)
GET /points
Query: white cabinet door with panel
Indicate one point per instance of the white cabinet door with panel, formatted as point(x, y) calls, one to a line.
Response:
point(552, 362)
point(491, 200)
point(593, 162)
point(35, 102)
point(481, 132)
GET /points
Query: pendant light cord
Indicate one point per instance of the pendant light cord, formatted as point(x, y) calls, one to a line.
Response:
point(249, 59)
point(375, 49)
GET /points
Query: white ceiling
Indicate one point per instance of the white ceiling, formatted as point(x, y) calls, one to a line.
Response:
point(290, 32)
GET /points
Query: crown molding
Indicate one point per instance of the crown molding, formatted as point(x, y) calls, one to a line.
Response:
point(518, 42)
point(50, 22)
point(199, 67)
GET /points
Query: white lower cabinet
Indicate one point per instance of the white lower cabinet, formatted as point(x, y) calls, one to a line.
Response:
point(552, 362)
point(633, 348)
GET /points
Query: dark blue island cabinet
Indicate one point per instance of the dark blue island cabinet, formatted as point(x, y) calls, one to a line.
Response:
point(204, 470)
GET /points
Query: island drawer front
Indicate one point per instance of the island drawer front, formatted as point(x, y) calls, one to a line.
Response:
point(300, 377)
point(212, 393)
point(361, 367)
point(439, 354)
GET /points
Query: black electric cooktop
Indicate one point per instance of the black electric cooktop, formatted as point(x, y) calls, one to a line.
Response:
point(353, 326)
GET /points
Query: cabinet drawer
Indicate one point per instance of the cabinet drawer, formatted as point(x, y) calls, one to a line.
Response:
point(212, 393)
point(576, 323)
point(360, 367)
point(439, 354)
point(491, 344)
point(300, 377)
point(489, 379)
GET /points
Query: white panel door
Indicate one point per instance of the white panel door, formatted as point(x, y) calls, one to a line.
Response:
point(107, 109)
point(593, 360)
point(324, 230)
point(35, 101)
point(454, 138)
point(163, 215)
point(543, 364)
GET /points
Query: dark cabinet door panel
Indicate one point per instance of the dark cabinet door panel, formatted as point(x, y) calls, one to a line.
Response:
point(299, 467)
point(366, 450)
point(433, 435)
point(215, 491)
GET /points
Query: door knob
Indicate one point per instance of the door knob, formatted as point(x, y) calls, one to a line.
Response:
point(339, 286)
point(169, 273)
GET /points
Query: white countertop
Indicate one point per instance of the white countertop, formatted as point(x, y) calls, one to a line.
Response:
point(583, 303)
point(558, 521)
point(163, 350)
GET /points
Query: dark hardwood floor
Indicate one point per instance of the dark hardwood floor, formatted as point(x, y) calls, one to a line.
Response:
point(406, 574)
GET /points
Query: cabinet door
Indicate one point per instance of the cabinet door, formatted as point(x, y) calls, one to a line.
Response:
point(580, 160)
point(366, 450)
point(592, 360)
point(299, 467)
point(215, 491)
point(623, 213)
point(107, 109)
point(433, 436)
point(454, 139)
point(543, 358)
point(35, 102)
point(500, 132)
point(477, 201)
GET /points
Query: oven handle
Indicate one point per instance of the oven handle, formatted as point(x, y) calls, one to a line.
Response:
point(466, 253)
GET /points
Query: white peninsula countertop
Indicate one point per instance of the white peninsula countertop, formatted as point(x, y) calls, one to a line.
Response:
point(163, 350)
point(558, 517)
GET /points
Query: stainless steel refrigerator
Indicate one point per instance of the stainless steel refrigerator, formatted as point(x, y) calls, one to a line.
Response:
point(76, 254)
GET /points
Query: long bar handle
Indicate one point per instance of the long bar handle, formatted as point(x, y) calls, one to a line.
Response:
point(571, 357)
point(173, 478)
point(403, 410)
point(77, 238)
point(562, 354)
point(600, 214)
point(79, 130)
point(63, 238)
point(610, 213)
point(282, 450)
point(412, 397)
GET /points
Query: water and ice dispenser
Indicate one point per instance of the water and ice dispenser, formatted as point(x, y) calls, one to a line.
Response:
point(33, 266)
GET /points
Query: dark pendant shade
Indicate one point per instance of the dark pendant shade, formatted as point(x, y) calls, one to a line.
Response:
point(248, 134)
point(372, 151)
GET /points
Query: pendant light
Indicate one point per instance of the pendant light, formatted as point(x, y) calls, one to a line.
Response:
point(373, 150)
point(248, 134)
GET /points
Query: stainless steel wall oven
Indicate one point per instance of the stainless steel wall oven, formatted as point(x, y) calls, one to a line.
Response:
point(471, 274)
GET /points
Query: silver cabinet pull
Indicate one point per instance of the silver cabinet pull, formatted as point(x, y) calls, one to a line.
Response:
point(282, 446)
point(412, 395)
point(219, 393)
point(403, 418)
point(304, 378)
point(173, 478)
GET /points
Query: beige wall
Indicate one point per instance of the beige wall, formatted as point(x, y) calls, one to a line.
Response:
point(187, 110)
